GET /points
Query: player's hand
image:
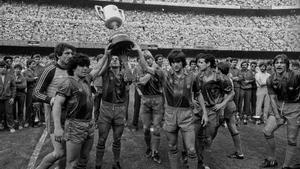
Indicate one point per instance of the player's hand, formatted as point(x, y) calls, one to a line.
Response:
point(204, 120)
point(217, 107)
point(195, 103)
point(52, 101)
point(280, 121)
point(136, 47)
point(58, 134)
point(107, 50)
point(11, 101)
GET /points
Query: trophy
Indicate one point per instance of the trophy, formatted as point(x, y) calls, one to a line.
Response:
point(113, 17)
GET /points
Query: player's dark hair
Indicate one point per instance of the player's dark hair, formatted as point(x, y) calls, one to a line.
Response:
point(79, 59)
point(284, 58)
point(208, 58)
point(224, 67)
point(61, 47)
point(176, 55)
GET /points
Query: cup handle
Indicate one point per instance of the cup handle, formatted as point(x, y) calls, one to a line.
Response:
point(100, 12)
point(122, 14)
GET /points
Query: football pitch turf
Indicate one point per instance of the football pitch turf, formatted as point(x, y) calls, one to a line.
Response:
point(16, 149)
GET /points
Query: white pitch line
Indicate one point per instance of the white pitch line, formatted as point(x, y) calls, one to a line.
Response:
point(37, 150)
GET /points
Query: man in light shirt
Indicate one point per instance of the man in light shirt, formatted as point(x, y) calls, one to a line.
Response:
point(263, 99)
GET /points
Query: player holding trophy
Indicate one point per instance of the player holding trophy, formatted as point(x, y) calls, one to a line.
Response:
point(114, 98)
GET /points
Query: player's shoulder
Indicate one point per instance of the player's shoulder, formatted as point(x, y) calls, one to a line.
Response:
point(49, 68)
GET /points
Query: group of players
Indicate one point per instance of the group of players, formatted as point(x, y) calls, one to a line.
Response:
point(195, 104)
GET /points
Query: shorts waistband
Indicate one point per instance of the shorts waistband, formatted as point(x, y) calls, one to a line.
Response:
point(112, 104)
point(151, 96)
point(81, 120)
point(178, 108)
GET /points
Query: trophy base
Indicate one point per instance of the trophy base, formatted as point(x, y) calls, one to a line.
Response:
point(113, 23)
point(120, 44)
point(121, 48)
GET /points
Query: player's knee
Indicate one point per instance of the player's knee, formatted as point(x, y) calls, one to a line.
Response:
point(58, 154)
point(292, 142)
point(117, 141)
point(173, 149)
point(235, 134)
point(101, 142)
point(268, 135)
point(155, 131)
point(192, 152)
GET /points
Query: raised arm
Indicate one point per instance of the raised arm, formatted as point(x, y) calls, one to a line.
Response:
point(101, 66)
point(142, 60)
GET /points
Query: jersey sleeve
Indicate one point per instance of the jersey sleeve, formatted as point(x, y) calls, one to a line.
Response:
point(43, 83)
point(65, 89)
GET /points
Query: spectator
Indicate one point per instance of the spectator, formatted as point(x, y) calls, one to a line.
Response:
point(263, 100)
point(31, 77)
point(21, 85)
point(7, 97)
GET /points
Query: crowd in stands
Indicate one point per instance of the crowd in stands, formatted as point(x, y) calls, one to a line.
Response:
point(243, 4)
point(167, 29)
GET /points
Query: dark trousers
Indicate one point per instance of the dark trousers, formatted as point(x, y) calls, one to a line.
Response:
point(97, 101)
point(6, 114)
point(245, 102)
point(136, 108)
point(19, 108)
point(29, 116)
point(253, 101)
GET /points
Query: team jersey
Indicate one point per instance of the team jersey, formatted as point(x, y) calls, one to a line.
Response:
point(48, 83)
point(286, 87)
point(78, 94)
point(213, 87)
point(114, 87)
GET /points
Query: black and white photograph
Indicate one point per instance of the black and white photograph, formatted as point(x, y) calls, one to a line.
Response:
point(150, 84)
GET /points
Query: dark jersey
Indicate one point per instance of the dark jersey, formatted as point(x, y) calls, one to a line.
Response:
point(286, 87)
point(213, 87)
point(153, 85)
point(79, 102)
point(114, 87)
point(178, 91)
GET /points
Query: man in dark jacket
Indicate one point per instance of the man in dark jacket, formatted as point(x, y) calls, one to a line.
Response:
point(7, 96)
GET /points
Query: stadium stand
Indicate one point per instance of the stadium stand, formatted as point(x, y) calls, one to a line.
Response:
point(41, 22)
